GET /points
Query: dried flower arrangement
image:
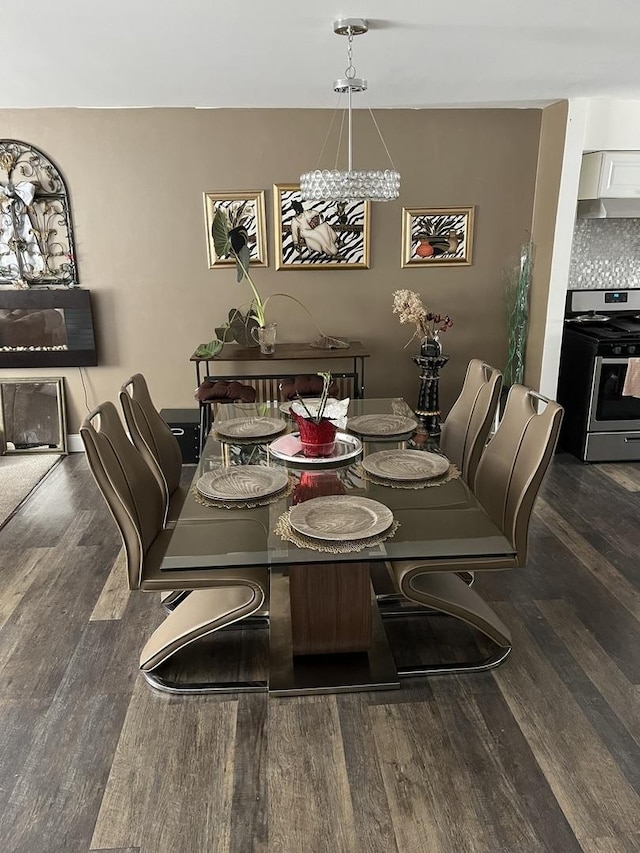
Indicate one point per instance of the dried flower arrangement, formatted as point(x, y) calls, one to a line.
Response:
point(408, 305)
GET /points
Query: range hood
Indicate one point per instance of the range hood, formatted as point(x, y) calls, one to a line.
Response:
point(609, 185)
point(609, 208)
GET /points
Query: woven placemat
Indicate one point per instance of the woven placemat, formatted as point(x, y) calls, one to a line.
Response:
point(452, 474)
point(284, 529)
point(250, 504)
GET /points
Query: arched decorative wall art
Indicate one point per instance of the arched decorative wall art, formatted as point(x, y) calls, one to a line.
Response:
point(36, 233)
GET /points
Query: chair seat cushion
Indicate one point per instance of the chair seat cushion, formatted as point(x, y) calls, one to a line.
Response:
point(154, 578)
point(225, 391)
point(305, 385)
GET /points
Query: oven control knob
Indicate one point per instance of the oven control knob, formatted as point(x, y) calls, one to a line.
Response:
point(616, 350)
point(631, 349)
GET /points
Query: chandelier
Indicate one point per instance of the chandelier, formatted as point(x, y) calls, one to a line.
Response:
point(337, 184)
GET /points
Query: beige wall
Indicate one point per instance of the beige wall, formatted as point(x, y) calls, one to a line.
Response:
point(552, 135)
point(136, 179)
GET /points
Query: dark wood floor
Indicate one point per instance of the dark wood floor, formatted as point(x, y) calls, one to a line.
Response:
point(540, 755)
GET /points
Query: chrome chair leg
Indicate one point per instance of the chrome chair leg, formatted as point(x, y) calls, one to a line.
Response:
point(164, 685)
point(447, 594)
point(201, 614)
point(490, 662)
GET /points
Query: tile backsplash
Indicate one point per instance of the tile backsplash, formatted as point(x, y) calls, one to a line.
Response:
point(605, 254)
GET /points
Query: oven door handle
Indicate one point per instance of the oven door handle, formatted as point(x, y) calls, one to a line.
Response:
point(629, 438)
point(603, 360)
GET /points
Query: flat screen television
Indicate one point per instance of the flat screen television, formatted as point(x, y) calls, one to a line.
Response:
point(46, 328)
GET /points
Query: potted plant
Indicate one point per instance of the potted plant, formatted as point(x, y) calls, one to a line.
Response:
point(230, 239)
point(517, 283)
point(318, 422)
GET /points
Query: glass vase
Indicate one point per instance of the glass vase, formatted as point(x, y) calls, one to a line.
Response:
point(430, 346)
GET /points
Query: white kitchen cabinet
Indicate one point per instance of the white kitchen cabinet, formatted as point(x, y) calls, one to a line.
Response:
point(610, 174)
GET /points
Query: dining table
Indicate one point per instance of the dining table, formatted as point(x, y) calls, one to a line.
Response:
point(321, 526)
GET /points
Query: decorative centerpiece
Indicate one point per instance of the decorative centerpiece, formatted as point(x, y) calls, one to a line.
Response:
point(429, 326)
point(318, 422)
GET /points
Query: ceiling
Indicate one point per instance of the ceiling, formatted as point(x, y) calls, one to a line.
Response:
point(283, 53)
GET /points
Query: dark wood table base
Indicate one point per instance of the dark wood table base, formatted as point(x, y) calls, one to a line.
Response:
point(332, 621)
point(330, 608)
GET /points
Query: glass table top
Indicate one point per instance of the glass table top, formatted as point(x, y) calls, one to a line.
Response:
point(438, 521)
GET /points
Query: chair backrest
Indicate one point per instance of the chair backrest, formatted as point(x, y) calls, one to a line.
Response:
point(515, 461)
point(466, 428)
point(127, 483)
point(150, 434)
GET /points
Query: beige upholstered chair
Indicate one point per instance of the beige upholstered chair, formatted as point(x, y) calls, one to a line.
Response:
point(466, 428)
point(509, 476)
point(136, 501)
point(155, 441)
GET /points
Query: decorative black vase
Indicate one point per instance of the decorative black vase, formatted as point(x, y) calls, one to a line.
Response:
point(430, 361)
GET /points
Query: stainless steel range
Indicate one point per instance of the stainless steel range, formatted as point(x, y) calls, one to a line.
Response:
point(601, 334)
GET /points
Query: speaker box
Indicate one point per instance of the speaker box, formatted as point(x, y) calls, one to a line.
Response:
point(185, 425)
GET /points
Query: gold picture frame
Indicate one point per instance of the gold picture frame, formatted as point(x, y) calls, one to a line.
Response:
point(437, 236)
point(319, 235)
point(245, 208)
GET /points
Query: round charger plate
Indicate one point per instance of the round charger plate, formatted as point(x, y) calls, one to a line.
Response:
point(309, 401)
point(340, 518)
point(347, 447)
point(406, 465)
point(381, 426)
point(242, 482)
point(257, 427)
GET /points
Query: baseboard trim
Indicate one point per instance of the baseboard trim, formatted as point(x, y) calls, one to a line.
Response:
point(74, 444)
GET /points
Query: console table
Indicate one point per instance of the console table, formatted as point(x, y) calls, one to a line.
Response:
point(248, 363)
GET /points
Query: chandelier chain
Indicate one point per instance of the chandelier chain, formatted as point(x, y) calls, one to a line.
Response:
point(350, 70)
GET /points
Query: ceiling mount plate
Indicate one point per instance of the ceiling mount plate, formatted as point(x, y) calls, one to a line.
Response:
point(350, 84)
point(355, 26)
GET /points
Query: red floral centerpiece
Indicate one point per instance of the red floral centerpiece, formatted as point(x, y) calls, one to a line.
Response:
point(318, 422)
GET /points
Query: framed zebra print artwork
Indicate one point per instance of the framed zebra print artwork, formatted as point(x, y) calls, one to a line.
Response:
point(319, 235)
point(435, 237)
point(245, 208)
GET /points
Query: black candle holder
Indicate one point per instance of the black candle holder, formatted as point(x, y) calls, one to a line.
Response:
point(430, 361)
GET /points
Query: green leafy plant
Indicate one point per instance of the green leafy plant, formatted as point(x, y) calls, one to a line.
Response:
point(517, 283)
point(231, 239)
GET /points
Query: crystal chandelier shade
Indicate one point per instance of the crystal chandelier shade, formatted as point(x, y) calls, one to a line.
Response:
point(336, 184)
